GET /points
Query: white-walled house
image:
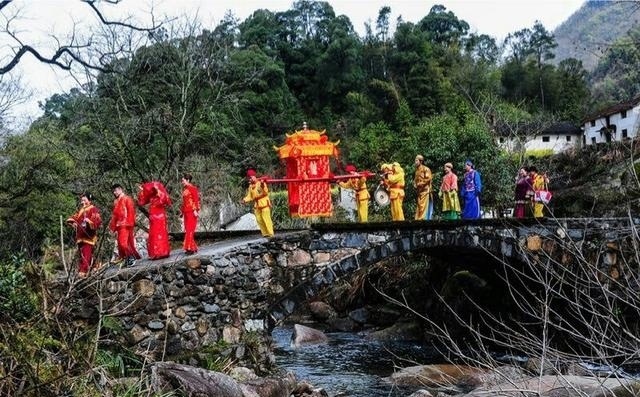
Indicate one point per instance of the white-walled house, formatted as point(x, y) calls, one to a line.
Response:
point(557, 137)
point(615, 123)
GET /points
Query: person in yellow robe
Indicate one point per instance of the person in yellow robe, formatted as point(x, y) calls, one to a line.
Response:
point(422, 183)
point(449, 194)
point(538, 182)
point(258, 192)
point(359, 185)
point(394, 182)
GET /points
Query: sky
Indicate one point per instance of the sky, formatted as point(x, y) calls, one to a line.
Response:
point(39, 22)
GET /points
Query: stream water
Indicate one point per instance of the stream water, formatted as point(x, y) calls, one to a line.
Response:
point(349, 364)
point(352, 365)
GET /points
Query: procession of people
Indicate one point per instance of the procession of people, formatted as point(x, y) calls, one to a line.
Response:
point(458, 200)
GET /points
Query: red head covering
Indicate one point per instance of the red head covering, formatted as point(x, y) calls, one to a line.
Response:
point(350, 168)
point(154, 191)
point(250, 173)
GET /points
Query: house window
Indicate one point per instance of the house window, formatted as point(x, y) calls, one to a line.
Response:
point(625, 135)
point(593, 123)
point(568, 138)
point(545, 139)
point(593, 140)
point(623, 114)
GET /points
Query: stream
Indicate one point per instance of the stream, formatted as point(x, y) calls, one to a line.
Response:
point(349, 364)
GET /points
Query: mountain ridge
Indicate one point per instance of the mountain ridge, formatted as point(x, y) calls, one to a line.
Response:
point(593, 28)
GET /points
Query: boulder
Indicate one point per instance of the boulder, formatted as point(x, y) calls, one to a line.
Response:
point(631, 388)
point(306, 336)
point(167, 377)
point(360, 316)
point(242, 374)
point(269, 387)
point(421, 393)
point(231, 334)
point(342, 324)
point(383, 316)
point(537, 366)
point(398, 331)
point(561, 386)
point(304, 389)
point(490, 378)
point(439, 375)
point(322, 311)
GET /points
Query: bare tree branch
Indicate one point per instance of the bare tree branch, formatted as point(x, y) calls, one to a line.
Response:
point(66, 54)
point(92, 4)
point(56, 59)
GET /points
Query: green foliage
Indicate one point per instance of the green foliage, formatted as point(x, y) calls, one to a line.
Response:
point(112, 324)
point(260, 29)
point(572, 79)
point(374, 145)
point(32, 354)
point(112, 363)
point(253, 342)
point(17, 301)
point(214, 357)
point(539, 153)
point(616, 77)
point(443, 27)
point(119, 363)
point(36, 185)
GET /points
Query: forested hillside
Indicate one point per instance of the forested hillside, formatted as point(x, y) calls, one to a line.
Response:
point(214, 101)
point(593, 29)
point(616, 78)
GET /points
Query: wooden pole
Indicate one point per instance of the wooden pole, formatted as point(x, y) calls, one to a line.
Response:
point(64, 260)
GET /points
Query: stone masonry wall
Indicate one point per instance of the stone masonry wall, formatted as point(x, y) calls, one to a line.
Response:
point(243, 288)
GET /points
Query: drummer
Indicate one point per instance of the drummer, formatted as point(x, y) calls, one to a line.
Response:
point(359, 184)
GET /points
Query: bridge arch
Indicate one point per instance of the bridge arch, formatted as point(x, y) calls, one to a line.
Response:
point(507, 240)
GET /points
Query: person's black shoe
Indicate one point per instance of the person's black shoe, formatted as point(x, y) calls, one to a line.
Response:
point(189, 252)
point(130, 261)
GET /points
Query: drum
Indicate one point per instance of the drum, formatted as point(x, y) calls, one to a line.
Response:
point(381, 196)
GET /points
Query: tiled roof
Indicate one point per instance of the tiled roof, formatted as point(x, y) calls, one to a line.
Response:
point(617, 108)
point(562, 128)
point(537, 128)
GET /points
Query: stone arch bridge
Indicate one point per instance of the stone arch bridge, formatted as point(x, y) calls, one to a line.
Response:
point(242, 283)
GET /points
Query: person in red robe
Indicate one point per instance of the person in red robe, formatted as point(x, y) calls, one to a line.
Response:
point(123, 220)
point(522, 193)
point(190, 211)
point(86, 223)
point(155, 194)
